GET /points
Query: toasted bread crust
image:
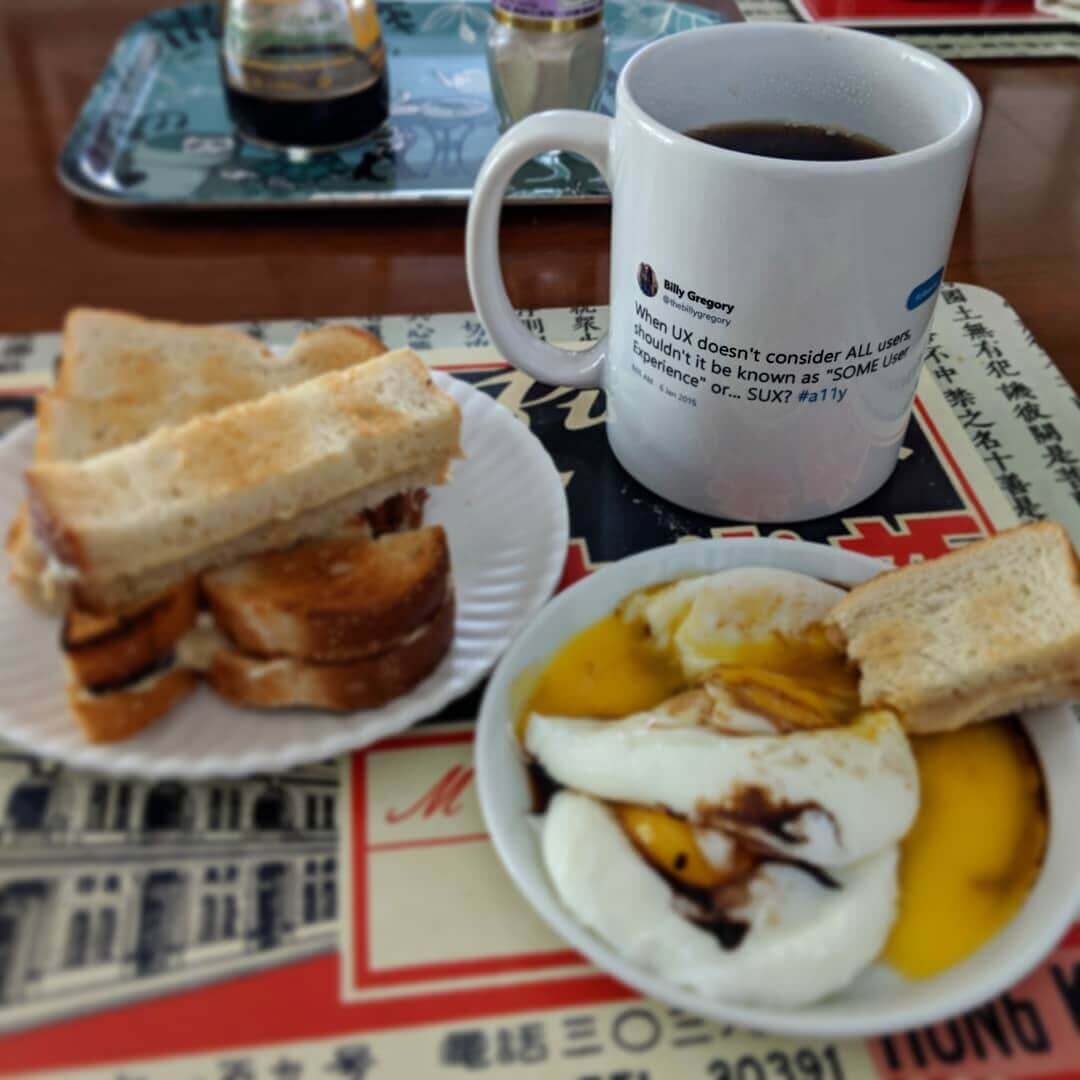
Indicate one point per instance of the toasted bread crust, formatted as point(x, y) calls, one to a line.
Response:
point(1048, 533)
point(119, 715)
point(156, 391)
point(986, 630)
point(17, 530)
point(116, 355)
point(332, 600)
point(358, 684)
point(27, 559)
point(946, 712)
point(105, 650)
point(75, 428)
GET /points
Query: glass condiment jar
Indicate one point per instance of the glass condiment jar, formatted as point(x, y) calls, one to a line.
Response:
point(545, 54)
point(304, 74)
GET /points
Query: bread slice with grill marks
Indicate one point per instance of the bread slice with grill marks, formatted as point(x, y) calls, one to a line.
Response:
point(118, 714)
point(986, 630)
point(104, 651)
point(363, 683)
point(332, 600)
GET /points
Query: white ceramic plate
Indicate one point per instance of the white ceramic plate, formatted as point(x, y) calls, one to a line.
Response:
point(505, 514)
point(879, 1000)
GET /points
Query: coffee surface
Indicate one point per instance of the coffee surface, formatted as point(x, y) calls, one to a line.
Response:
point(797, 142)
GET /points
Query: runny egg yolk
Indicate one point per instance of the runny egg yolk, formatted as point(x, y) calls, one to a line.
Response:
point(801, 683)
point(613, 668)
point(668, 843)
point(975, 849)
point(610, 669)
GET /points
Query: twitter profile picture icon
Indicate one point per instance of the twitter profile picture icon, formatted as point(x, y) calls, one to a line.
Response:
point(646, 279)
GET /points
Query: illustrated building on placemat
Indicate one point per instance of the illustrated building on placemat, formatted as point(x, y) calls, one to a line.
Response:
point(113, 889)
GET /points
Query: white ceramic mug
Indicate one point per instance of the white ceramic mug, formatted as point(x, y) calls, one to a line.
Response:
point(768, 316)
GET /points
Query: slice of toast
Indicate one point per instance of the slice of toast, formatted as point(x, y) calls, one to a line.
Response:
point(365, 683)
point(106, 651)
point(328, 348)
point(981, 632)
point(119, 714)
point(134, 521)
point(104, 351)
point(123, 377)
point(117, 393)
point(335, 599)
point(110, 354)
point(28, 562)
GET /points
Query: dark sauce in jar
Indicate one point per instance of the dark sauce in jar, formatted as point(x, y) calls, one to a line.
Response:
point(297, 75)
point(318, 123)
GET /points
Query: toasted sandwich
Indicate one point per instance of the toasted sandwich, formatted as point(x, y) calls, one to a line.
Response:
point(122, 377)
point(125, 671)
point(133, 522)
point(121, 670)
point(986, 630)
point(335, 599)
point(387, 620)
point(363, 683)
point(340, 624)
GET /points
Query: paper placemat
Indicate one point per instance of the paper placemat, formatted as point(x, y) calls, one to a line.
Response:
point(152, 930)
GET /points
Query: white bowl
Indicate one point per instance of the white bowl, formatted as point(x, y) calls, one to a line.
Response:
point(880, 1000)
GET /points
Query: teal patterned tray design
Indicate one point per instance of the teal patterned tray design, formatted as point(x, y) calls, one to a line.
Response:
point(155, 131)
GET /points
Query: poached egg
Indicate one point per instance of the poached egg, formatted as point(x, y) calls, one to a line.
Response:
point(741, 837)
point(828, 797)
point(799, 941)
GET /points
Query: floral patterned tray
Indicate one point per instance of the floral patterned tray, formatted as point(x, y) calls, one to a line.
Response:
point(155, 132)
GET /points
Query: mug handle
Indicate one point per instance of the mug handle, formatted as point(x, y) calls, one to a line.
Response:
point(584, 133)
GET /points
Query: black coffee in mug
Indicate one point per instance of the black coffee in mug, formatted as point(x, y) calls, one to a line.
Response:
point(798, 142)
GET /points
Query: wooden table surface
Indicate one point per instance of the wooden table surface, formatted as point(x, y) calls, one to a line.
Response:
point(1019, 231)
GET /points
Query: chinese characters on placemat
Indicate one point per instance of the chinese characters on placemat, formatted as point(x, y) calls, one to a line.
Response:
point(1022, 417)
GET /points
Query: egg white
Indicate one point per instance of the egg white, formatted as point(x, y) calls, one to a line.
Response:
point(863, 774)
point(706, 619)
point(804, 942)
